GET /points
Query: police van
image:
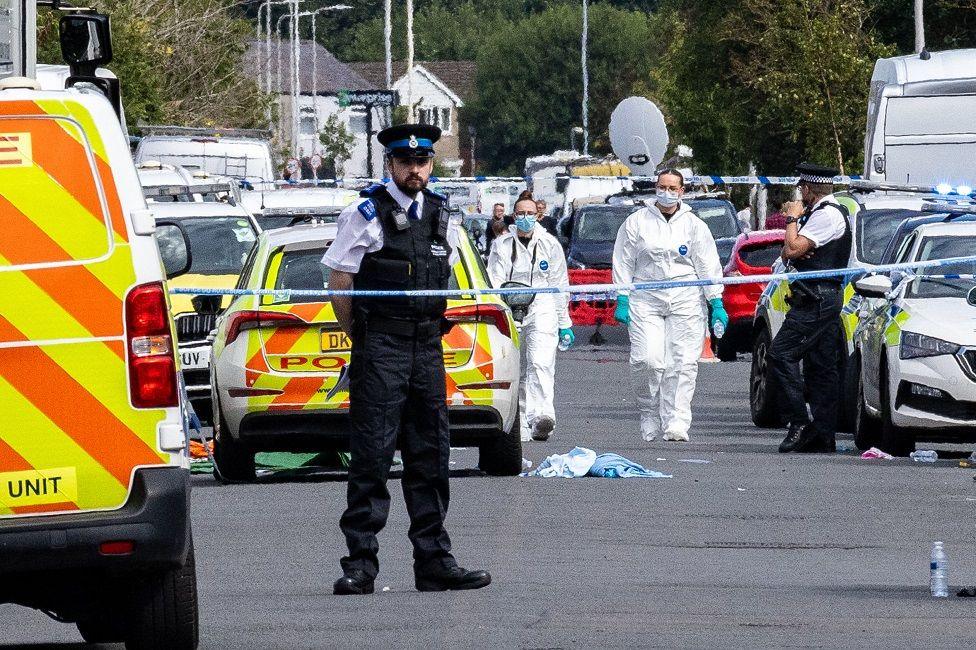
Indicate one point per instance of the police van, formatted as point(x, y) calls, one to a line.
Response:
point(94, 479)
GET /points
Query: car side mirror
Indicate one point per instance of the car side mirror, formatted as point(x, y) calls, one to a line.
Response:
point(873, 286)
point(174, 248)
point(86, 42)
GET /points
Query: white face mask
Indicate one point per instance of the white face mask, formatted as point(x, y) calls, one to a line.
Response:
point(667, 198)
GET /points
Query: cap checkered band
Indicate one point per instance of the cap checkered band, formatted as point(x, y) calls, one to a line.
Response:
point(816, 180)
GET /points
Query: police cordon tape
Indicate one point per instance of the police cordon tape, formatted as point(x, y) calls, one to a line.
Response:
point(698, 179)
point(590, 290)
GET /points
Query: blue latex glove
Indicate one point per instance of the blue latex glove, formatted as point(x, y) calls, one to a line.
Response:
point(718, 312)
point(622, 312)
point(567, 332)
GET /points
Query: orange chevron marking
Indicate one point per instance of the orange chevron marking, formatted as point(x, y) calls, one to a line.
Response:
point(108, 440)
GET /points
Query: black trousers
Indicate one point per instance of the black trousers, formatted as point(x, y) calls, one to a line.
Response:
point(811, 333)
point(397, 393)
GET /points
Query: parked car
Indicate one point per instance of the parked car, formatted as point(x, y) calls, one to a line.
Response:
point(221, 237)
point(277, 361)
point(226, 153)
point(289, 206)
point(754, 253)
point(915, 346)
point(875, 216)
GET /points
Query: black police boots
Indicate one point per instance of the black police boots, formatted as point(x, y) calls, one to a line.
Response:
point(793, 437)
point(440, 577)
point(354, 583)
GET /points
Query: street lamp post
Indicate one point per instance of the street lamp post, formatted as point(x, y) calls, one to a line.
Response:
point(410, 61)
point(315, 64)
point(586, 81)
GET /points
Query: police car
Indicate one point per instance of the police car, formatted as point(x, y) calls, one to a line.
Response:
point(915, 345)
point(277, 372)
point(94, 480)
point(221, 236)
point(876, 212)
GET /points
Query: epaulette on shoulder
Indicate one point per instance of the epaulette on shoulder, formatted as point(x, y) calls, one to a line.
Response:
point(367, 208)
point(371, 190)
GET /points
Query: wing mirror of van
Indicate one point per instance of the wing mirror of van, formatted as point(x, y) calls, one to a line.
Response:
point(174, 248)
point(873, 286)
point(86, 42)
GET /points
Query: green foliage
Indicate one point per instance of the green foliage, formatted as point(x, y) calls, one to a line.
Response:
point(178, 61)
point(530, 80)
point(337, 141)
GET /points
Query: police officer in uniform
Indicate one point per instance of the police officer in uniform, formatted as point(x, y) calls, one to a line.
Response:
point(818, 237)
point(398, 236)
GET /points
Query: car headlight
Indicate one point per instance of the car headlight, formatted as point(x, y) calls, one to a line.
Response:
point(915, 345)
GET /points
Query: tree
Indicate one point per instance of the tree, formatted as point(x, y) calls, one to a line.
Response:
point(337, 141)
point(530, 87)
point(178, 61)
point(809, 64)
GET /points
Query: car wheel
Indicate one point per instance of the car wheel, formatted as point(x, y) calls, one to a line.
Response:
point(761, 405)
point(163, 613)
point(897, 441)
point(726, 349)
point(848, 393)
point(502, 455)
point(105, 626)
point(867, 430)
point(233, 462)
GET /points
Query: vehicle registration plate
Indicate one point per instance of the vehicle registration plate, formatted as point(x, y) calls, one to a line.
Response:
point(195, 358)
point(333, 341)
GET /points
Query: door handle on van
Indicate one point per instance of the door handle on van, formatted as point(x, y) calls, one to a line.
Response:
point(143, 222)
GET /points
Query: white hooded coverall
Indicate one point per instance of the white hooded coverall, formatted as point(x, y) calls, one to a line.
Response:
point(540, 264)
point(667, 326)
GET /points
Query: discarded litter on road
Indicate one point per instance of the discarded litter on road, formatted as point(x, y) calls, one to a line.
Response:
point(581, 461)
point(876, 454)
point(925, 456)
point(694, 461)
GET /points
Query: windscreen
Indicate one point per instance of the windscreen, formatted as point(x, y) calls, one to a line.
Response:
point(303, 270)
point(940, 248)
point(717, 215)
point(218, 245)
point(764, 255)
point(601, 223)
point(272, 221)
point(875, 228)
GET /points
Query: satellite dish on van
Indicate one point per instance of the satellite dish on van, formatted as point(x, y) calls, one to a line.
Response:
point(638, 135)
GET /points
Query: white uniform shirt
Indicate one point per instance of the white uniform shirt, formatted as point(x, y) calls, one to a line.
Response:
point(650, 248)
point(540, 264)
point(359, 235)
point(826, 223)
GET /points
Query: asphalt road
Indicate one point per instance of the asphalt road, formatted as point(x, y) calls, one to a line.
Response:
point(752, 549)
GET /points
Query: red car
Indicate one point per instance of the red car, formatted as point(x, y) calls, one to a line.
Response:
point(753, 254)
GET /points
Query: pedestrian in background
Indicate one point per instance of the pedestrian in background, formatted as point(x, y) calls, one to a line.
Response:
point(666, 241)
point(547, 221)
point(398, 236)
point(530, 256)
point(499, 222)
point(818, 237)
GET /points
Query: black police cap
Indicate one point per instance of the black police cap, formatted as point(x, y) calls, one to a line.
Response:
point(410, 140)
point(817, 174)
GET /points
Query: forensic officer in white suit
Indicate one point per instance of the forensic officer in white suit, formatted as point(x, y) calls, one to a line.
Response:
point(666, 241)
point(528, 255)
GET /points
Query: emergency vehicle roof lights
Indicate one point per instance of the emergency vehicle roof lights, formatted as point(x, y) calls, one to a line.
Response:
point(951, 208)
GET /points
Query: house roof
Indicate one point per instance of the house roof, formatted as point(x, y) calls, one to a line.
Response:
point(332, 74)
point(458, 76)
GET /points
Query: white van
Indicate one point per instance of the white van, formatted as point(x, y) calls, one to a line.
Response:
point(244, 158)
point(921, 125)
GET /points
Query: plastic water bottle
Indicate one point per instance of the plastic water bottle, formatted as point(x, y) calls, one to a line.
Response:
point(718, 329)
point(939, 567)
point(564, 342)
point(924, 457)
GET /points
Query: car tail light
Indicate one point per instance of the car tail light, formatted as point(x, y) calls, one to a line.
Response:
point(122, 547)
point(149, 348)
point(249, 320)
point(490, 314)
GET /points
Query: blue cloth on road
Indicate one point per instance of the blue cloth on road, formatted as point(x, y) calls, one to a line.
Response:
point(616, 466)
point(581, 461)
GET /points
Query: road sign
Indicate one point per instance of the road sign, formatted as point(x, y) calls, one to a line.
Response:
point(292, 166)
point(315, 162)
point(638, 134)
point(344, 100)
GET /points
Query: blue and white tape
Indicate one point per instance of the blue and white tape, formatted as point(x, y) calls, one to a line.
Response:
point(591, 291)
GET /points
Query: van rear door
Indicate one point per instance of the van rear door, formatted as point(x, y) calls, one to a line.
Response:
point(70, 438)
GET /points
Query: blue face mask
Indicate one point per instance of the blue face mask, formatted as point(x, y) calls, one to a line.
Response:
point(525, 224)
